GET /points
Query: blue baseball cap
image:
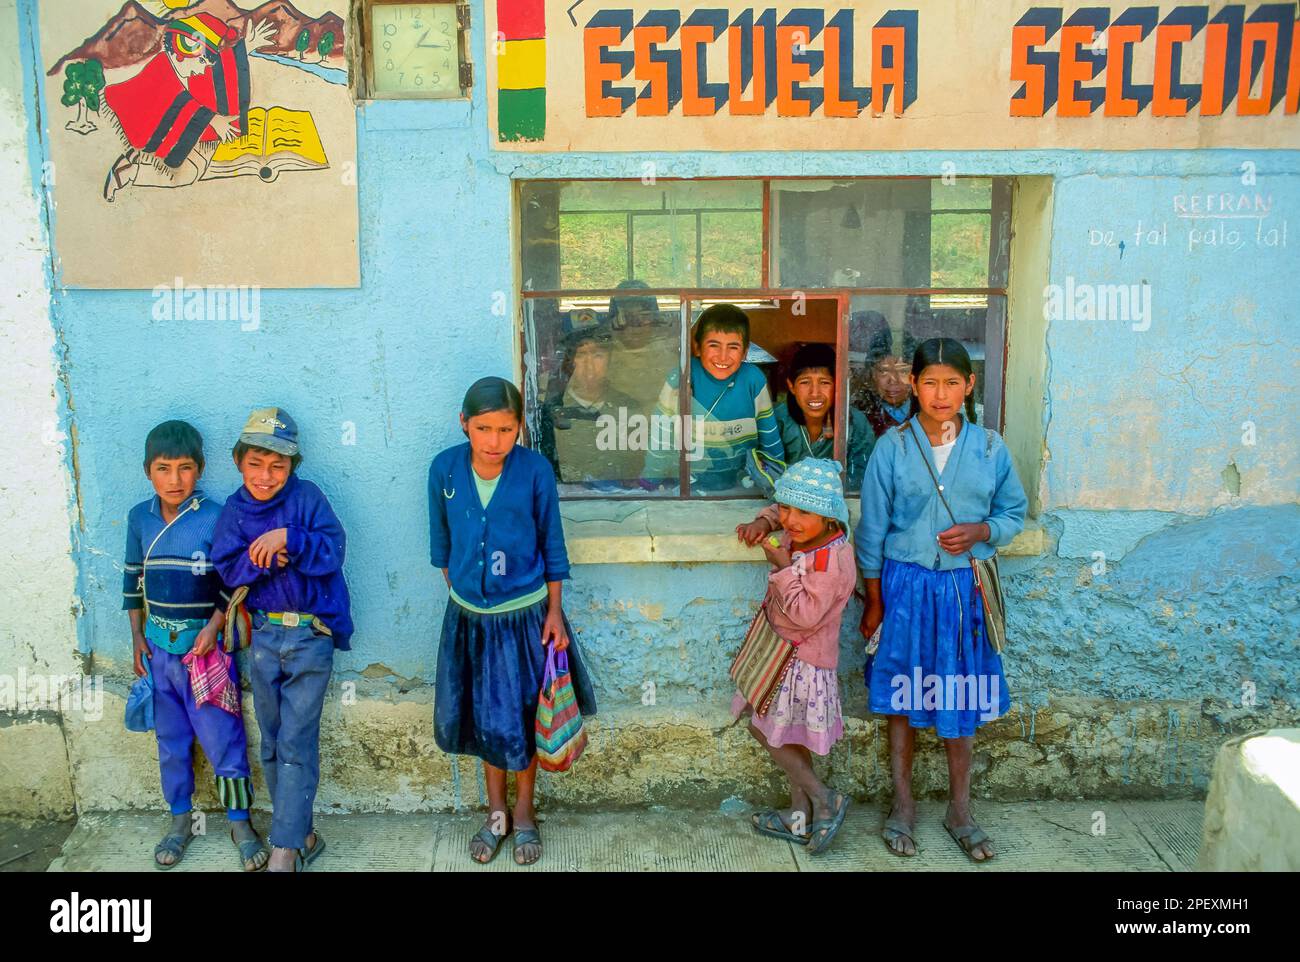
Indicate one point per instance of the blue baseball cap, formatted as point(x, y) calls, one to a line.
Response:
point(272, 429)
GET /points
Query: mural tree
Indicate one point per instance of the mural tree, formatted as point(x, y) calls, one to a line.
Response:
point(326, 44)
point(83, 82)
point(304, 41)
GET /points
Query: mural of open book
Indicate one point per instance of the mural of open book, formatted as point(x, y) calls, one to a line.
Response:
point(277, 139)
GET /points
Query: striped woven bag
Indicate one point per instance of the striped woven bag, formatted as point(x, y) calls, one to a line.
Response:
point(761, 663)
point(559, 732)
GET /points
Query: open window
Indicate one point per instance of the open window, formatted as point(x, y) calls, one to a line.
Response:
point(615, 275)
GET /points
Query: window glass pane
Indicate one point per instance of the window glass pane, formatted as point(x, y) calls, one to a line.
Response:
point(959, 250)
point(963, 193)
point(880, 233)
point(577, 233)
point(594, 370)
point(732, 249)
point(884, 332)
point(593, 250)
point(663, 249)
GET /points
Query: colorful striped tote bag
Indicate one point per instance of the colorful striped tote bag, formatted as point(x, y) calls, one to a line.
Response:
point(560, 735)
point(761, 663)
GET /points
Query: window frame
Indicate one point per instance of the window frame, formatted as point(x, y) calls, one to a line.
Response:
point(1000, 214)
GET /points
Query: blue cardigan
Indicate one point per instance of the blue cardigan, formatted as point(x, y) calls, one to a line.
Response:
point(507, 550)
point(901, 511)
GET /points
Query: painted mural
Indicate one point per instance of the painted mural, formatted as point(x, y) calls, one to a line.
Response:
point(799, 75)
point(176, 115)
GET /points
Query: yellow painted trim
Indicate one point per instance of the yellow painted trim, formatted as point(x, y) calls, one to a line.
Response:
point(521, 65)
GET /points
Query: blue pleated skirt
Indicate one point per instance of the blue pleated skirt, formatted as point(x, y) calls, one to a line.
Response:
point(935, 664)
point(489, 677)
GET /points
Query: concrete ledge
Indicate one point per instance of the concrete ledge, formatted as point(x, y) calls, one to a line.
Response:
point(644, 531)
point(378, 755)
point(36, 782)
point(1252, 814)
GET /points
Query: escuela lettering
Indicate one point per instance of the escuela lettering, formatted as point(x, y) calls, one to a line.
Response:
point(756, 62)
point(801, 64)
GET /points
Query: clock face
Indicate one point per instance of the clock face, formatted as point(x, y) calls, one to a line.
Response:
point(414, 49)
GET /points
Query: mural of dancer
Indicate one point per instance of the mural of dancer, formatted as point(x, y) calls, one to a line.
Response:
point(189, 99)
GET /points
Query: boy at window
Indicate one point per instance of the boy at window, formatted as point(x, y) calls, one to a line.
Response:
point(731, 409)
point(581, 415)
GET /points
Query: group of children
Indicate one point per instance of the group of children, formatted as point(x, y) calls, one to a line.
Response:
point(496, 535)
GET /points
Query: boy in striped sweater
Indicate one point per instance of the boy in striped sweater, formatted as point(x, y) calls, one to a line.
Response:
point(731, 409)
point(175, 601)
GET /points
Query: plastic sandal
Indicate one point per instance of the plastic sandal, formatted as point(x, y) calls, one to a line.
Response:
point(823, 831)
point(899, 828)
point(248, 849)
point(526, 836)
point(313, 852)
point(769, 823)
point(967, 837)
point(490, 839)
point(173, 844)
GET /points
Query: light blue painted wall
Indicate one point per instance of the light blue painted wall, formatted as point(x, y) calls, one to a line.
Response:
point(1136, 420)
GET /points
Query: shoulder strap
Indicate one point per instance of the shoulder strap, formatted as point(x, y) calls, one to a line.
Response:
point(929, 470)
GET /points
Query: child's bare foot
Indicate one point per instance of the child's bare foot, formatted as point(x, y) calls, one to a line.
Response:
point(283, 860)
point(172, 847)
point(483, 846)
point(251, 850)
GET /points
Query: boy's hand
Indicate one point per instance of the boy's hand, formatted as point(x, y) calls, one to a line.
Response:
point(553, 632)
point(282, 556)
point(140, 652)
point(754, 532)
point(206, 641)
point(960, 537)
point(262, 552)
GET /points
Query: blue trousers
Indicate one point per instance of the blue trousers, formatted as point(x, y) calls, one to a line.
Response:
point(290, 674)
point(220, 733)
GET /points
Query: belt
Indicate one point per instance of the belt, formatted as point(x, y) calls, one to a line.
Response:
point(290, 619)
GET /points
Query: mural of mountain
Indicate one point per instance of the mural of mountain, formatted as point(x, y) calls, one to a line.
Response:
point(133, 34)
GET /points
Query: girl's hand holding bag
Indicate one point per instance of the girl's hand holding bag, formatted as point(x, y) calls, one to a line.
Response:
point(560, 736)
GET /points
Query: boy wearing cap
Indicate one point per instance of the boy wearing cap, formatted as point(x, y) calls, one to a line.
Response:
point(279, 538)
point(175, 602)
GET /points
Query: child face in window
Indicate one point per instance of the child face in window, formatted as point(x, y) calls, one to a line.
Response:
point(721, 353)
point(264, 473)
point(814, 392)
point(590, 371)
point(941, 391)
point(491, 435)
point(891, 380)
point(173, 479)
point(804, 526)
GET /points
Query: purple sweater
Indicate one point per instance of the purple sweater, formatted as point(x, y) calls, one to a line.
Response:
point(313, 582)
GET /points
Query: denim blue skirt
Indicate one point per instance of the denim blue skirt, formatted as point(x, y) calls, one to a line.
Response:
point(489, 677)
point(935, 664)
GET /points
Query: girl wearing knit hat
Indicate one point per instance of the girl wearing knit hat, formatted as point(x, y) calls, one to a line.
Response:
point(812, 578)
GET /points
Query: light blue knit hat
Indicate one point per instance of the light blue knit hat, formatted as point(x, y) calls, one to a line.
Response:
point(813, 484)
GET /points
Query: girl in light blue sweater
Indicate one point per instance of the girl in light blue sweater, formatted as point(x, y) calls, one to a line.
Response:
point(935, 667)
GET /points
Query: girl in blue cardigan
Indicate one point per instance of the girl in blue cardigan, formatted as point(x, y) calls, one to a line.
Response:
point(935, 667)
point(494, 530)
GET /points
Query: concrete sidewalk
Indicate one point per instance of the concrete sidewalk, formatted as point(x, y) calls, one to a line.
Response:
point(1138, 836)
